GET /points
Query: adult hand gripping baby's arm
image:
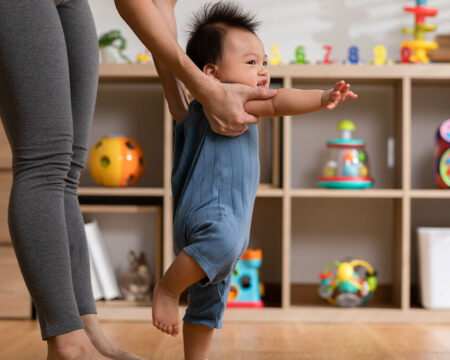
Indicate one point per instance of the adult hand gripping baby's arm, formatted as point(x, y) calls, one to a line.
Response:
point(224, 107)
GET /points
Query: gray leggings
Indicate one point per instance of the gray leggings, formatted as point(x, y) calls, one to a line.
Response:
point(48, 84)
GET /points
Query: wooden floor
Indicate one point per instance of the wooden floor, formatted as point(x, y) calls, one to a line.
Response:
point(20, 340)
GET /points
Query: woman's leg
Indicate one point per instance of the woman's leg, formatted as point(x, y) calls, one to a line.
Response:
point(82, 51)
point(35, 108)
point(37, 115)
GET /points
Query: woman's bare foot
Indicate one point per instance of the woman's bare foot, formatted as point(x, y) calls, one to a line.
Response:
point(74, 345)
point(101, 343)
point(165, 310)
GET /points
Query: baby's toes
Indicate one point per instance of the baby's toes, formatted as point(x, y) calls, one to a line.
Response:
point(175, 330)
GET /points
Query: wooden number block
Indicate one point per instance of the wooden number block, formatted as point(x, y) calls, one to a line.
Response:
point(5, 150)
point(5, 188)
point(15, 301)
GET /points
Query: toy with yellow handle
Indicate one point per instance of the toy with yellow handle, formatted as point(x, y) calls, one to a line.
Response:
point(351, 284)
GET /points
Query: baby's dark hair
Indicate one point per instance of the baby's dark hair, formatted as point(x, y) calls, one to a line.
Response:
point(209, 27)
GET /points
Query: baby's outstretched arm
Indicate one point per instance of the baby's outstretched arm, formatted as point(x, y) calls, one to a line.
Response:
point(297, 101)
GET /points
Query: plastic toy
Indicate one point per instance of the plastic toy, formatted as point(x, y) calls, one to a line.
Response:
point(442, 155)
point(347, 166)
point(419, 46)
point(112, 44)
point(352, 283)
point(143, 58)
point(300, 55)
point(380, 54)
point(116, 161)
point(353, 55)
point(275, 55)
point(245, 286)
point(326, 59)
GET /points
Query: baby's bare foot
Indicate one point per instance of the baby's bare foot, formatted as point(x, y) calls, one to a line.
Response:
point(165, 310)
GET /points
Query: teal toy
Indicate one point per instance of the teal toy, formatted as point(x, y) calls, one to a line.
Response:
point(245, 291)
point(347, 166)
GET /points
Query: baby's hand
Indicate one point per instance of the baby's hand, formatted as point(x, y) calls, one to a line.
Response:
point(331, 98)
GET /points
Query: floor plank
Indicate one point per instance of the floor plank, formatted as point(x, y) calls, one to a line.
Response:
point(20, 340)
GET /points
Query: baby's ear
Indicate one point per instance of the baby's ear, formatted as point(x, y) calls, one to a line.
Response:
point(211, 70)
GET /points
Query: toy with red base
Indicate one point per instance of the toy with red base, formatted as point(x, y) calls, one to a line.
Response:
point(442, 155)
point(347, 166)
point(419, 46)
point(245, 291)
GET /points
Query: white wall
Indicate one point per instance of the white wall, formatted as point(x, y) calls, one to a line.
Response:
point(311, 23)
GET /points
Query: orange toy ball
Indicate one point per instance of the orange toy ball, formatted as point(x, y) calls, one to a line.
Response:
point(116, 161)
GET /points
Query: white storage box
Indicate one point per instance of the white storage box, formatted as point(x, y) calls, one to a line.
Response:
point(434, 266)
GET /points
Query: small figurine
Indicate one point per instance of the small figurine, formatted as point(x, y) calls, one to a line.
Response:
point(143, 58)
point(136, 281)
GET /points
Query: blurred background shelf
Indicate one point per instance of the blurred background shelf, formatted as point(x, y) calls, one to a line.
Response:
point(299, 227)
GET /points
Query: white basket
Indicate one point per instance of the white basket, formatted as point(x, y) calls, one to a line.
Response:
point(434, 267)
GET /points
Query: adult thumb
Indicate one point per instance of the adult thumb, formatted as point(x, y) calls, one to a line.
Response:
point(260, 93)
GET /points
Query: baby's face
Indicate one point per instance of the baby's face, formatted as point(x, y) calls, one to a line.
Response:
point(244, 60)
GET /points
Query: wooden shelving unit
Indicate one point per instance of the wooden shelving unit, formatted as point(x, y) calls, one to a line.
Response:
point(296, 194)
point(299, 226)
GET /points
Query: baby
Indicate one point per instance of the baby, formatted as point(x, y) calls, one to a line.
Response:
point(215, 178)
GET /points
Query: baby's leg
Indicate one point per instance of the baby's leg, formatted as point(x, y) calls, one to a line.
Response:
point(183, 272)
point(197, 341)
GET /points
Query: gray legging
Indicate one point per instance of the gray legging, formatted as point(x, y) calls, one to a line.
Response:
point(48, 84)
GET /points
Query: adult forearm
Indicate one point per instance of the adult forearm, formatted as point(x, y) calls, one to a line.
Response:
point(146, 22)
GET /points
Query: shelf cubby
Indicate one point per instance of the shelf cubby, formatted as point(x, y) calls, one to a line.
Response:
point(425, 212)
point(343, 229)
point(430, 108)
point(375, 114)
point(265, 234)
point(125, 228)
point(136, 110)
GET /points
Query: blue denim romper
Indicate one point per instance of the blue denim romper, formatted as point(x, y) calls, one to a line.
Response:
point(214, 183)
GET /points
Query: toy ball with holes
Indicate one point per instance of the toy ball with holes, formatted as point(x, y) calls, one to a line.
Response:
point(116, 161)
point(347, 165)
point(348, 284)
point(442, 155)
